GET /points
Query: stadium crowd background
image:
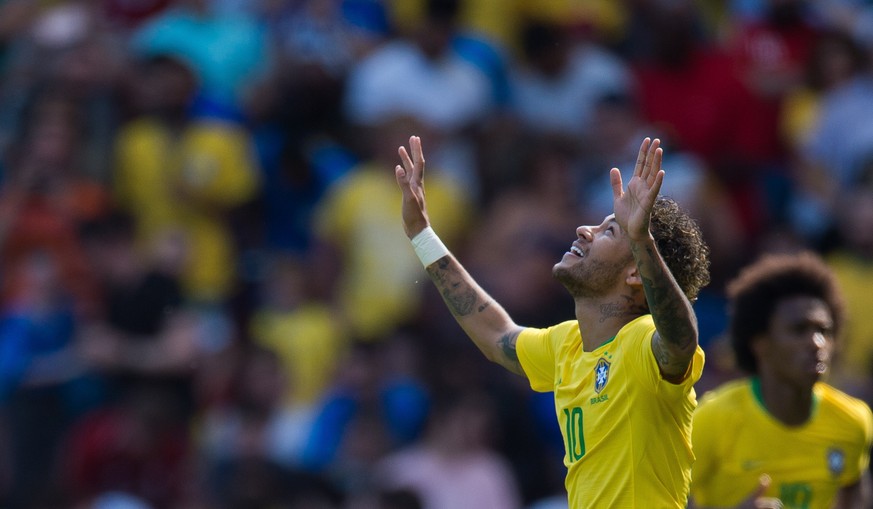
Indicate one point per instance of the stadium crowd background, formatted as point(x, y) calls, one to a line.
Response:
point(208, 300)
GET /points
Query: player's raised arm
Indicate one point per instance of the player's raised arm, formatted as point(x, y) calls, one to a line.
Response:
point(485, 321)
point(675, 340)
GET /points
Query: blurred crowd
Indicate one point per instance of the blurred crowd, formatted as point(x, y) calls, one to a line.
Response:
point(207, 300)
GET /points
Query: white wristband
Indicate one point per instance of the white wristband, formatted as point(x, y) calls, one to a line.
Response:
point(428, 246)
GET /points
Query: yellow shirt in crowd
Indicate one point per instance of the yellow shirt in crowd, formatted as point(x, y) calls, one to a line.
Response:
point(183, 184)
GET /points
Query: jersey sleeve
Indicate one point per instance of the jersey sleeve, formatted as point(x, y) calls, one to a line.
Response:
point(704, 440)
point(536, 354)
point(642, 332)
point(865, 441)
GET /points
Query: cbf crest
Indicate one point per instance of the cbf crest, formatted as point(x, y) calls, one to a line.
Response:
point(601, 375)
point(836, 461)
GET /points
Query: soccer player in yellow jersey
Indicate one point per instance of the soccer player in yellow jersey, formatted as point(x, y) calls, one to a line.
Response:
point(808, 441)
point(622, 371)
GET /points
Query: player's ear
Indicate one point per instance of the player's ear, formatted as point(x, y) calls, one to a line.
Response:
point(632, 276)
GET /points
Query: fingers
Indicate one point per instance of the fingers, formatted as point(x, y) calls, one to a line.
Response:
point(653, 153)
point(615, 181)
point(413, 167)
point(405, 160)
point(400, 175)
point(417, 153)
point(641, 157)
point(649, 159)
point(655, 163)
point(656, 183)
point(762, 502)
point(763, 484)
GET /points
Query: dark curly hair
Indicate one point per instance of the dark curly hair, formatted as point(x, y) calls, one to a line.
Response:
point(682, 246)
point(760, 287)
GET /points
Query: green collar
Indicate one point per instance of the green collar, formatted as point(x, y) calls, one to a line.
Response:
point(759, 396)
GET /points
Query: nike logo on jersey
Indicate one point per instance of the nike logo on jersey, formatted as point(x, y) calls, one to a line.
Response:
point(749, 465)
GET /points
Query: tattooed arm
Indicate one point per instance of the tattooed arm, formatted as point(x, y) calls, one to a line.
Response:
point(487, 324)
point(485, 321)
point(675, 339)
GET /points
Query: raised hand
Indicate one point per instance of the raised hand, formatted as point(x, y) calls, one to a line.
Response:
point(410, 178)
point(633, 208)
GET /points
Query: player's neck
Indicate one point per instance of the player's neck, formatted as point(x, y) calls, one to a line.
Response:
point(600, 320)
point(788, 403)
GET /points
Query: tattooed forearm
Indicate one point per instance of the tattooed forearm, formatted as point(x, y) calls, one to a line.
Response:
point(483, 319)
point(507, 346)
point(456, 291)
point(674, 318)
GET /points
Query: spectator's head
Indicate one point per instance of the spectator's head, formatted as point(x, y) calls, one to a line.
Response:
point(546, 47)
point(51, 127)
point(854, 214)
point(438, 27)
point(836, 58)
point(165, 86)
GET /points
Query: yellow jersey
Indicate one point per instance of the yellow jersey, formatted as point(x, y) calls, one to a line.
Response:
point(736, 441)
point(377, 287)
point(182, 183)
point(627, 431)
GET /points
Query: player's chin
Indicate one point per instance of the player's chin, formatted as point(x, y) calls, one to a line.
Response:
point(563, 266)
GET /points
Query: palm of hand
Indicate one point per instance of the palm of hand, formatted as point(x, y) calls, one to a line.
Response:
point(410, 178)
point(633, 207)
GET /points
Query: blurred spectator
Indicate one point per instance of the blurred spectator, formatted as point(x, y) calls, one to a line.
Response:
point(852, 264)
point(260, 420)
point(315, 42)
point(422, 75)
point(364, 250)
point(69, 46)
point(454, 465)
point(46, 195)
point(521, 231)
point(499, 21)
point(138, 446)
point(302, 329)
point(128, 15)
point(839, 143)
point(44, 384)
point(852, 16)
point(376, 405)
point(559, 79)
point(183, 175)
point(227, 53)
point(296, 177)
point(690, 91)
point(836, 60)
point(144, 334)
point(253, 482)
point(770, 55)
